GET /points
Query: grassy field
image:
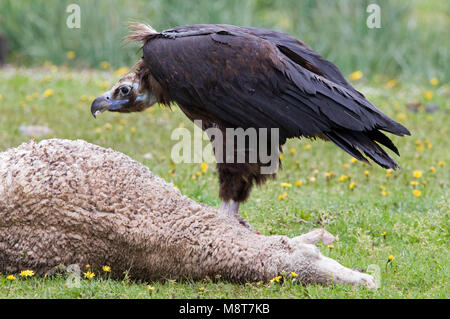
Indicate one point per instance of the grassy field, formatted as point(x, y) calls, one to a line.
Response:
point(375, 213)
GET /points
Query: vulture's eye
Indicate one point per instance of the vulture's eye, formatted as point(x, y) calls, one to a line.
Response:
point(124, 90)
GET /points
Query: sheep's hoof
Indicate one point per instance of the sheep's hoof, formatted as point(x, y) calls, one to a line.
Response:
point(243, 222)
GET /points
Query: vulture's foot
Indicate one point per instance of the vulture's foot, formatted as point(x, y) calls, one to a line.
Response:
point(231, 209)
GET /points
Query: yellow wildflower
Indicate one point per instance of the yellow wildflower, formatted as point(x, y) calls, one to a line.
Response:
point(133, 130)
point(298, 183)
point(382, 187)
point(388, 172)
point(11, 277)
point(433, 169)
point(121, 71)
point(391, 83)
point(307, 147)
point(198, 173)
point(105, 65)
point(89, 275)
point(122, 122)
point(282, 196)
point(286, 185)
point(83, 98)
point(414, 183)
point(428, 95)
point(417, 174)
point(434, 81)
point(48, 93)
point(343, 178)
point(355, 76)
point(346, 165)
point(108, 126)
point(383, 234)
point(417, 193)
point(202, 288)
point(26, 273)
point(330, 246)
point(353, 160)
point(401, 116)
point(120, 128)
point(204, 167)
point(276, 279)
point(428, 144)
point(150, 288)
point(1, 97)
point(281, 156)
point(70, 55)
point(391, 258)
point(441, 163)
point(329, 174)
point(98, 130)
point(366, 172)
point(351, 185)
point(104, 85)
point(293, 274)
point(106, 268)
point(292, 150)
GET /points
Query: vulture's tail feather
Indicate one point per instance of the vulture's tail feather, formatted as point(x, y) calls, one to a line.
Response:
point(354, 142)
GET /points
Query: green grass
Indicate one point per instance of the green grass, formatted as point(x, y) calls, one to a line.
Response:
point(416, 227)
point(413, 41)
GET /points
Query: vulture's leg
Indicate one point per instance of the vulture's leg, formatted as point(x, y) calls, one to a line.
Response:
point(231, 208)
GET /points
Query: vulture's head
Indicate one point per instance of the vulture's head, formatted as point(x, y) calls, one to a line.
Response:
point(127, 95)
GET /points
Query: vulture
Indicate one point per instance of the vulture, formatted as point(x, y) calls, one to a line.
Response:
point(232, 78)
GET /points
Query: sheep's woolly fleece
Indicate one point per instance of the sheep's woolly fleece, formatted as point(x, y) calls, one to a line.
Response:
point(68, 202)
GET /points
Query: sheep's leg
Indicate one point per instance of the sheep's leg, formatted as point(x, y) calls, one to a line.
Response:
point(231, 208)
point(314, 236)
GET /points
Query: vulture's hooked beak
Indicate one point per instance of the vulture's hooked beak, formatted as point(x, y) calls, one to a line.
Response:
point(106, 103)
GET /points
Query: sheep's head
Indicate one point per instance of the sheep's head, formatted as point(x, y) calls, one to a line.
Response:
point(127, 95)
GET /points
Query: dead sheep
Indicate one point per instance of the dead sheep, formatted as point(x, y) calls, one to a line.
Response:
point(68, 202)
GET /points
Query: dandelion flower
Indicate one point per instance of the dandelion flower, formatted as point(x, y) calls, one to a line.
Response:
point(383, 234)
point(276, 279)
point(89, 275)
point(11, 277)
point(388, 173)
point(282, 196)
point(281, 156)
point(105, 65)
point(401, 116)
point(442, 163)
point(434, 81)
point(307, 147)
point(298, 183)
point(417, 193)
point(351, 185)
point(26, 273)
point(133, 130)
point(121, 71)
point(292, 150)
point(293, 274)
point(202, 288)
point(70, 55)
point(414, 183)
point(355, 76)
point(391, 258)
point(204, 167)
point(433, 169)
point(150, 288)
point(287, 185)
point(343, 178)
point(330, 246)
point(417, 174)
point(48, 93)
point(106, 268)
point(428, 95)
point(366, 172)
point(353, 160)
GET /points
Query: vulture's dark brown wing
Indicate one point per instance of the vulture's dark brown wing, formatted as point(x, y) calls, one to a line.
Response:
point(246, 80)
